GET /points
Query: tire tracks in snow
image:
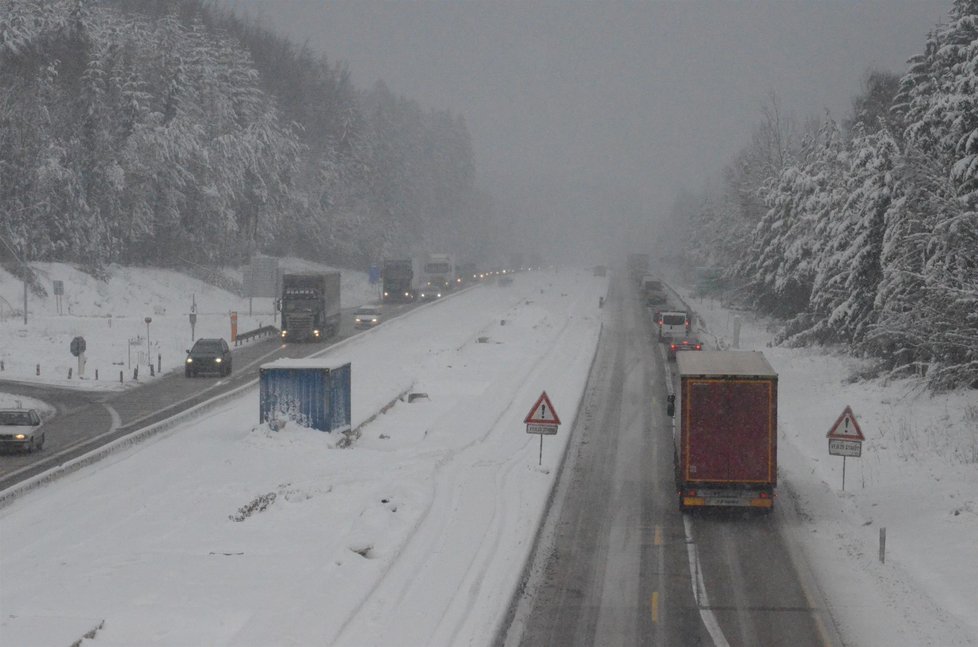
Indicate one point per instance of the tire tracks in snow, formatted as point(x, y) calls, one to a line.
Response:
point(431, 602)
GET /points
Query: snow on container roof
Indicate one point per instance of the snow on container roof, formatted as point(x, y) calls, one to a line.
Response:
point(724, 362)
point(303, 362)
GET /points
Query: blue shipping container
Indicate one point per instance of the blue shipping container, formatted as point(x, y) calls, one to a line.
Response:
point(311, 396)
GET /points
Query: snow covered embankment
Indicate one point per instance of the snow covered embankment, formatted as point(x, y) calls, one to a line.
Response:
point(223, 532)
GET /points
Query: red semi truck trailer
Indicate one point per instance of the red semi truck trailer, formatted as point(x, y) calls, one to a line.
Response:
point(725, 430)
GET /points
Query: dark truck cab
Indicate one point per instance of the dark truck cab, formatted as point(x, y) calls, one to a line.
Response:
point(310, 306)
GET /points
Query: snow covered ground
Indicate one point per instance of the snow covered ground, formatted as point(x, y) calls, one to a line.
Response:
point(223, 532)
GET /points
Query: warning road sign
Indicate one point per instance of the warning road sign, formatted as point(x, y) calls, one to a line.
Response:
point(846, 427)
point(543, 412)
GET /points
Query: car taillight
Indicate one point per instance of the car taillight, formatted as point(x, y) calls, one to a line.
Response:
point(673, 346)
point(699, 346)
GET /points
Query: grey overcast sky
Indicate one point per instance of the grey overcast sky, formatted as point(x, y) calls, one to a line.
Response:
point(590, 116)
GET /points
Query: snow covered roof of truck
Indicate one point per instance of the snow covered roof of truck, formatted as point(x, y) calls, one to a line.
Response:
point(724, 362)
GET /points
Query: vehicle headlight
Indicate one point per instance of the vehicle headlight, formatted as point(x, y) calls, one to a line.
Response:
point(374, 320)
point(190, 360)
point(315, 333)
point(217, 360)
point(20, 436)
point(284, 333)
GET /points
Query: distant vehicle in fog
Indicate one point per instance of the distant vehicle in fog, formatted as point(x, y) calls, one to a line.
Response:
point(679, 345)
point(310, 306)
point(367, 317)
point(397, 277)
point(434, 289)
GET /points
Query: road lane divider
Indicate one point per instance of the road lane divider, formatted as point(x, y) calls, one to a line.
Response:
point(699, 589)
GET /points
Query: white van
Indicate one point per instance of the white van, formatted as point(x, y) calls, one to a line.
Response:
point(673, 324)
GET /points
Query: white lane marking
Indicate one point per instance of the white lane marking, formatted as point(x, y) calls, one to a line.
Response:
point(699, 588)
point(116, 420)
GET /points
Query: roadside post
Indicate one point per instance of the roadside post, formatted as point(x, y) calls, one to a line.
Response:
point(193, 318)
point(149, 358)
point(845, 439)
point(542, 420)
point(77, 348)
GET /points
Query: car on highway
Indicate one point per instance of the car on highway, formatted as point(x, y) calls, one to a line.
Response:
point(673, 324)
point(679, 345)
point(208, 355)
point(434, 289)
point(367, 317)
point(21, 429)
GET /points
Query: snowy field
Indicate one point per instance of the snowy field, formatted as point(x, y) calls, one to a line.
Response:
point(225, 533)
point(221, 532)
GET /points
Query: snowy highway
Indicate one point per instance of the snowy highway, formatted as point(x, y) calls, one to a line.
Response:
point(218, 531)
point(621, 565)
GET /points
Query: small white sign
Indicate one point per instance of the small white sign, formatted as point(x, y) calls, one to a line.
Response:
point(839, 447)
point(544, 430)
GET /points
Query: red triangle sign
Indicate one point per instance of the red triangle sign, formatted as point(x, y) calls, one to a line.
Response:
point(846, 427)
point(543, 412)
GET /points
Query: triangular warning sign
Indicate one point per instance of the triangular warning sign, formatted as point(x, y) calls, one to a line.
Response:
point(543, 412)
point(846, 427)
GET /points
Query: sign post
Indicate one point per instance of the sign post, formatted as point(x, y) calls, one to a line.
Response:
point(77, 348)
point(845, 439)
point(542, 420)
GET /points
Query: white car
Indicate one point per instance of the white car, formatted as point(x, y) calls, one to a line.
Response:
point(366, 317)
point(21, 428)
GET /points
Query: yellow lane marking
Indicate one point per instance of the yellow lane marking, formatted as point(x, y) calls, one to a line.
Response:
point(658, 535)
point(655, 607)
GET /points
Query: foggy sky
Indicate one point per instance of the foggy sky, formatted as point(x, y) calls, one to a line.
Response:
point(585, 114)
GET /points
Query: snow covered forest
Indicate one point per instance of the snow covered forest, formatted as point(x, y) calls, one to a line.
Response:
point(865, 232)
point(164, 132)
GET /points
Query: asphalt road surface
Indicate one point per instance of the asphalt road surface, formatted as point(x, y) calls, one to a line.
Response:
point(618, 564)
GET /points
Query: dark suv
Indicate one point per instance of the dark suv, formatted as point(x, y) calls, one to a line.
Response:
point(208, 356)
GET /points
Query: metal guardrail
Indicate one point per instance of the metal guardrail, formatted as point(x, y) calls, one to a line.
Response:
point(242, 337)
